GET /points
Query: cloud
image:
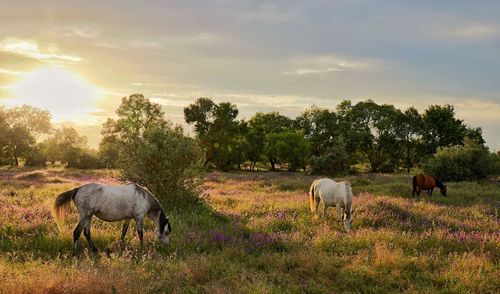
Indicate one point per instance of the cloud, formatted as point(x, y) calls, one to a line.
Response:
point(9, 72)
point(81, 32)
point(476, 32)
point(330, 64)
point(31, 49)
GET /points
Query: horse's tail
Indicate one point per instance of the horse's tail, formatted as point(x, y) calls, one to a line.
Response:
point(311, 197)
point(414, 183)
point(61, 206)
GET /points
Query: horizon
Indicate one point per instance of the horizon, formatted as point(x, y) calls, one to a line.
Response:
point(78, 62)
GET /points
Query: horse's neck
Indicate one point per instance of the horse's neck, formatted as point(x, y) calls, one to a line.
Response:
point(439, 184)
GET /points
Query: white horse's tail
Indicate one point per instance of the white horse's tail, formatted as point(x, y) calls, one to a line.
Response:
point(61, 206)
point(311, 197)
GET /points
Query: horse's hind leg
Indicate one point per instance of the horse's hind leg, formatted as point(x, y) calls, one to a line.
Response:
point(76, 234)
point(316, 205)
point(124, 229)
point(86, 232)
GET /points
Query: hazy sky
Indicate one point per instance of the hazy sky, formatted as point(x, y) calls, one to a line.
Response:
point(79, 58)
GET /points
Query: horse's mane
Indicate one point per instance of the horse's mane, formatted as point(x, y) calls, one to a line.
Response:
point(155, 206)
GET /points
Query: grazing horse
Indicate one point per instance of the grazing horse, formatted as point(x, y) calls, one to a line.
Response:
point(111, 204)
point(428, 183)
point(332, 194)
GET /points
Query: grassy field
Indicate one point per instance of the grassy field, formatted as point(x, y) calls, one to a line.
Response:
point(256, 234)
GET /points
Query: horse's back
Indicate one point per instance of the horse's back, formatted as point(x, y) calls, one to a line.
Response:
point(425, 182)
point(110, 203)
point(332, 192)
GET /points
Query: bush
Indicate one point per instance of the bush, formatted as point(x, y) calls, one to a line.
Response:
point(166, 162)
point(85, 159)
point(36, 158)
point(334, 162)
point(458, 163)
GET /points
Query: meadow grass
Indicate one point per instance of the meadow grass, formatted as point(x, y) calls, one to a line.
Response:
point(255, 233)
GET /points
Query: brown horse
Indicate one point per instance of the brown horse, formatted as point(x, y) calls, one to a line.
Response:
point(428, 183)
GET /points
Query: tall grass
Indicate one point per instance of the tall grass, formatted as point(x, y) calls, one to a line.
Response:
point(255, 233)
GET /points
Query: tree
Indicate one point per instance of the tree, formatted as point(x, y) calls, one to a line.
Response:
point(23, 125)
point(409, 126)
point(320, 127)
point(371, 129)
point(67, 146)
point(290, 148)
point(261, 127)
point(152, 152)
point(216, 127)
point(441, 128)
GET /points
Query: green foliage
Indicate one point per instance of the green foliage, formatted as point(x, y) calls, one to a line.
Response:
point(218, 130)
point(441, 128)
point(288, 147)
point(36, 157)
point(21, 126)
point(153, 153)
point(458, 163)
point(261, 127)
point(334, 161)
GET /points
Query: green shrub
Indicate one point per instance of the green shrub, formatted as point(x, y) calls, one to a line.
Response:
point(458, 163)
point(153, 153)
point(167, 162)
point(36, 158)
point(334, 162)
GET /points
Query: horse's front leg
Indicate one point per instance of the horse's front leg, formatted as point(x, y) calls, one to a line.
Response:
point(340, 210)
point(139, 221)
point(86, 232)
point(430, 191)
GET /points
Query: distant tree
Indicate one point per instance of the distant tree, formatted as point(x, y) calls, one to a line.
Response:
point(67, 146)
point(441, 128)
point(261, 127)
point(290, 148)
point(320, 127)
point(218, 130)
point(371, 129)
point(22, 126)
point(109, 146)
point(409, 125)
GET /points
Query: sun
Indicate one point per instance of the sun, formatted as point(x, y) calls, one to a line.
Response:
point(68, 96)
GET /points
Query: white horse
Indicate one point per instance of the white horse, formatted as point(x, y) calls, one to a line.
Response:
point(112, 203)
point(332, 194)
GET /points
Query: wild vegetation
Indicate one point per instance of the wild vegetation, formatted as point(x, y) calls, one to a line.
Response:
point(319, 140)
point(254, 232)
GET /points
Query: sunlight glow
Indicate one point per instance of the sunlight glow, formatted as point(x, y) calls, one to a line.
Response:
point(65, 94)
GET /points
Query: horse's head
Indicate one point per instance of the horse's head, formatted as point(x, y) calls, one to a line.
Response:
point(443, 190)
point(347, 220)
point(164, 230)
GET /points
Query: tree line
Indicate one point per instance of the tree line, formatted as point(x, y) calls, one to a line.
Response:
point(320, 140)
point(327, 141)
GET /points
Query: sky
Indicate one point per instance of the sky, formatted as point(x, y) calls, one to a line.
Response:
point(79, 58)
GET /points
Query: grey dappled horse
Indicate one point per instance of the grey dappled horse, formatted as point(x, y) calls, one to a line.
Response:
point(111, 204)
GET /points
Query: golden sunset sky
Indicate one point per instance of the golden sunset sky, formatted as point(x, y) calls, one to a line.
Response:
point(79, 58)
